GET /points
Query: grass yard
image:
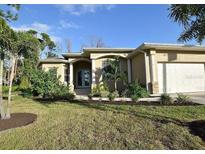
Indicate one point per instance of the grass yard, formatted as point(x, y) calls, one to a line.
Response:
point(96, 126)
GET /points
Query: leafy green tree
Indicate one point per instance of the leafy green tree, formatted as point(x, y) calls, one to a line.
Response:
point(5, 34)
point(22, 43)
point(112, 71)
point(192, 18)
point(5, 41)
point(7, 13)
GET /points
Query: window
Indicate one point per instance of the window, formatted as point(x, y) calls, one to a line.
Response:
point(66, 75)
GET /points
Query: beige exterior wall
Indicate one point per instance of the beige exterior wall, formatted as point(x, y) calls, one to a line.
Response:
point(60, 69)
point(180, 56)
point(138, 69)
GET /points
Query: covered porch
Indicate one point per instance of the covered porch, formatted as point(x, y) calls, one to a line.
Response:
point(86, 73)
point(80, 76)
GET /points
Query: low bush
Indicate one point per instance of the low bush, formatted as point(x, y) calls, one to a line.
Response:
point(5, 89)
point(90, 96)
point(113, 95)
point(62, 93)
point(48, 86)
point(100, 90)
point(182, 99)
point(24, 83)
point(136, 91)
point(166, 99)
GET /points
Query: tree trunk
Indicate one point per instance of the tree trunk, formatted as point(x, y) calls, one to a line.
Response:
point(8, 112)
point(1, 84)
point(15, 68)
point(115, 84)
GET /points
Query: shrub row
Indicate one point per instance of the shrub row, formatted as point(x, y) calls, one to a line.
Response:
point(133, 90)
point(180, 99)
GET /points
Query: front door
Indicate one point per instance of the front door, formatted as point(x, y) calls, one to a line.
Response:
point(83, 79)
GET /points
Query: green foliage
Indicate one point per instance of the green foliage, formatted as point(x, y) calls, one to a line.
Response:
point(113, 95)
point(90, 96)
point(192, 18)
point(24, 83)
point(7, 14)
point(100, 90)
point(136, 91)
point(166, 99)
point(112, 71)
point(182, 99)
point(48, 86)
point(5, 89)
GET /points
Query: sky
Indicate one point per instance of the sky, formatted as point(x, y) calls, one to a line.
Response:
point(121, 26)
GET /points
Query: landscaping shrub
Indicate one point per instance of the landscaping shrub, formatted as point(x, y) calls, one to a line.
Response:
point(47, 85)
point(166, 99)
point(182, 99)
point(136, 91)
point(90, 96)
point(113, 95)
point(24, 83)
point(5, 89)
point(100, 90)
point(62, 93)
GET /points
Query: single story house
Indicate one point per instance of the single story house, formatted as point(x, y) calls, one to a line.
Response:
point(161, 68)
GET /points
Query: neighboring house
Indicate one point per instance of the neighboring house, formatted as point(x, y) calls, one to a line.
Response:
point(160, 68)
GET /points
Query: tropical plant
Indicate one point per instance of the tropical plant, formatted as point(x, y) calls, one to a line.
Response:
point(136, 91)
point(112, 71)
point(182, 99)
point(166, 99)
point(113, 95)
point(192, 18)
point(100, 90)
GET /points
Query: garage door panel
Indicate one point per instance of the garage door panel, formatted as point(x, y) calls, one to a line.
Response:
point(181, 77)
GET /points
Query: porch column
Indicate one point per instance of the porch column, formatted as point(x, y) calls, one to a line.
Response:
point(93, 74)
point(129, 70)
point(71, 78)
point(153, 72)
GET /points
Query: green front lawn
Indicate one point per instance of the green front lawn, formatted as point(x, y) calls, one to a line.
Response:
point(96, 126)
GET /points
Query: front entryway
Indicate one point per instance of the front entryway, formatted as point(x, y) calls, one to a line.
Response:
point(83, 79)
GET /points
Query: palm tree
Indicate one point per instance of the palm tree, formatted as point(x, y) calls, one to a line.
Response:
point(112, 71)
point(192, 18)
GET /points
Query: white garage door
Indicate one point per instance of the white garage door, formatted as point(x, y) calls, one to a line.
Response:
point(181, 77)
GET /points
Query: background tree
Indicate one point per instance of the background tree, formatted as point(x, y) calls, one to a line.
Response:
point(192, 18)
point(7, 13)
point(94, 42)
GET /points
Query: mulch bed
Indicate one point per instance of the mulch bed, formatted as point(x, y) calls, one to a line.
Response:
point(17, 120)
point(136, 103)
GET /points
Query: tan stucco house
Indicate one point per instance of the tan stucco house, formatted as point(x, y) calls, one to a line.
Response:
point(161, 68)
